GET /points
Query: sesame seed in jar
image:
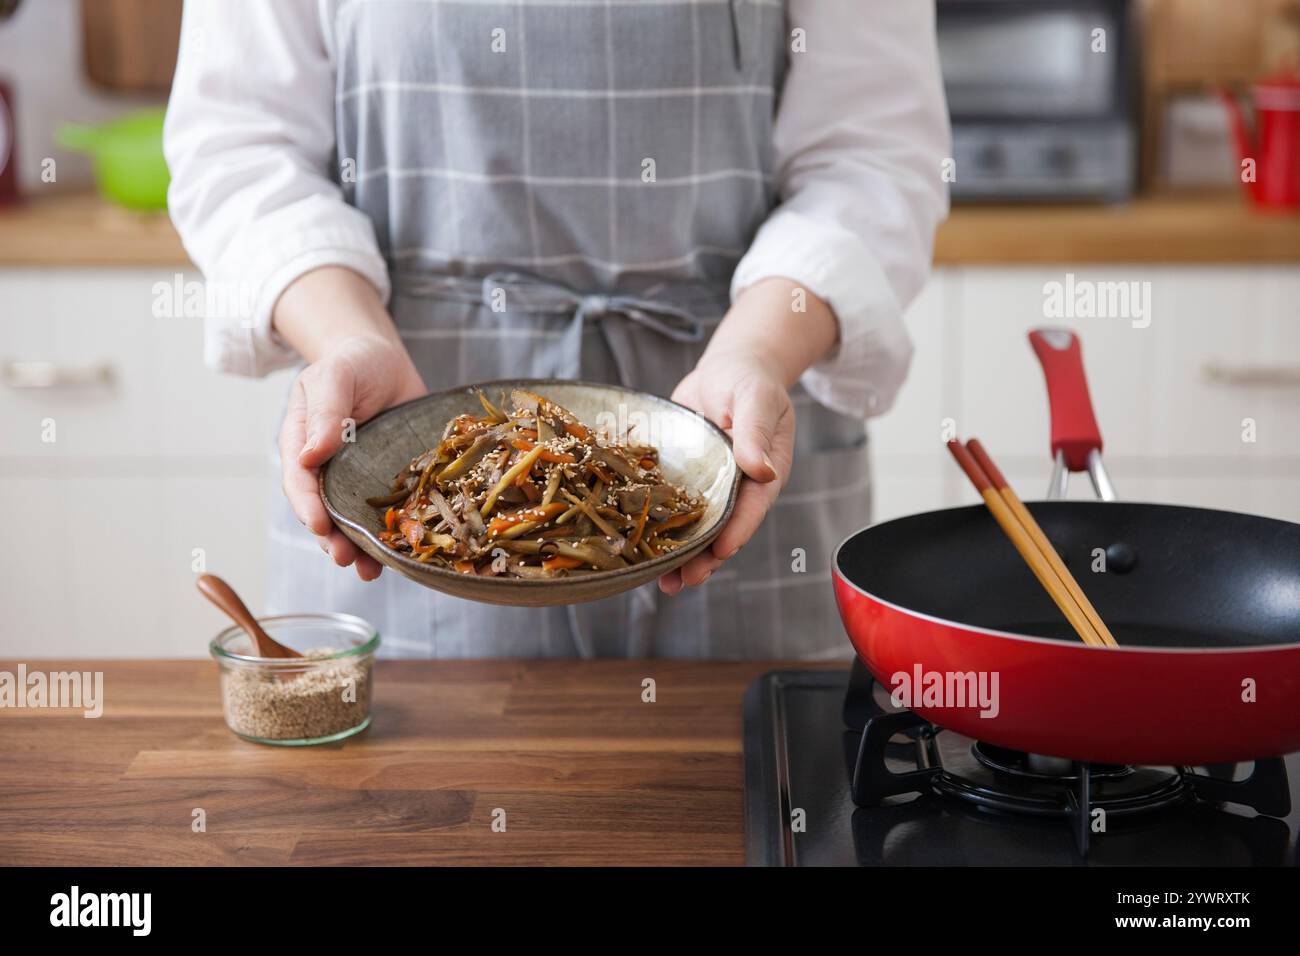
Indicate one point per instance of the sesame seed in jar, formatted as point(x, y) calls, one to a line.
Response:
point(306, 705)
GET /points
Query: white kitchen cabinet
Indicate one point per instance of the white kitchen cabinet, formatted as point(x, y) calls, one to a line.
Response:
point(161, 401)
point(904, 441)
point(913, 425)
point(1172, 432)
point(164, 459)
point(1230, 355)
point(102, 523)
point(1003, 398)
point(1150, 385)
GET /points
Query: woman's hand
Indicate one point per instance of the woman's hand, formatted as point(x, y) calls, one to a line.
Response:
point(359, 367)
point(356, 380)
point(744, 396)
point(774, 330)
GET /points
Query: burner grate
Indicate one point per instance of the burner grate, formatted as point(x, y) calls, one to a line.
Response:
point(1000, 780)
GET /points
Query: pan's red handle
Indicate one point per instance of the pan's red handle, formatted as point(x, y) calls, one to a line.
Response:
point(1074, 426)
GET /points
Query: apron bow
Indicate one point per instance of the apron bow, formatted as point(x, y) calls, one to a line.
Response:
point(504, 292)
point(519, 292)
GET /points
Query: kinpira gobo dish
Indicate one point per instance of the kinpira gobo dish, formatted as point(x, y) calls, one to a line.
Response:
point(533, 492)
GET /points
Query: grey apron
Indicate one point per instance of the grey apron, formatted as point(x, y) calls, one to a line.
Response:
point(599, 169)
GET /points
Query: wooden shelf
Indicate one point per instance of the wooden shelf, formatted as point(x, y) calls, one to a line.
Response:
point(83, 230)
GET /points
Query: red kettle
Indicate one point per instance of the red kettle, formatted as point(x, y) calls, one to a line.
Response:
point(1275, 146)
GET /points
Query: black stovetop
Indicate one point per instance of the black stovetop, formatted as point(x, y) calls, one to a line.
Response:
point(799, 756)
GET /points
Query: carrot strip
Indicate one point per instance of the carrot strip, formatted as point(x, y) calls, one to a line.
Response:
point(578, 431)
point(681, 520)
point(412, 531)
point(561, 562)
point(555, 457)
point(505, 522)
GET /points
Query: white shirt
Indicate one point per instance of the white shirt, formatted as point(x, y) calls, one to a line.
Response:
point(861, 133)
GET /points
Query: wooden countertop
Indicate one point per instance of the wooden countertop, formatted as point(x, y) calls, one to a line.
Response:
point(81, 230)
point(586, 772)
point(1156, 230)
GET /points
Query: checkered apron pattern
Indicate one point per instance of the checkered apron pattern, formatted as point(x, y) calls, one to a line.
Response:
point(604, 165)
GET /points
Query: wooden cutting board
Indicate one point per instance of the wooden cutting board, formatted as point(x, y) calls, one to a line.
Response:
point(129, 46)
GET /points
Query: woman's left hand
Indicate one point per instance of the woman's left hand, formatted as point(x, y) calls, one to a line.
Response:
point(742, 393)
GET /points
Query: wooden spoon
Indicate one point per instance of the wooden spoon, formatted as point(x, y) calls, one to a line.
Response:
point(223, 596)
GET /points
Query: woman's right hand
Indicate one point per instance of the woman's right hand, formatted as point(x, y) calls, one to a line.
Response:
point(354, 378)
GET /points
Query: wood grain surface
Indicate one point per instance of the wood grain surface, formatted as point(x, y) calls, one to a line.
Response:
point(587, 773)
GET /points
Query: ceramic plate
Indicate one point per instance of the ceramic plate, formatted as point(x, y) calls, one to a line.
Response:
point(692, 452)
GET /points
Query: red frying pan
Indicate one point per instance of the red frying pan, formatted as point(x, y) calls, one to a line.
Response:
point(1204, 604)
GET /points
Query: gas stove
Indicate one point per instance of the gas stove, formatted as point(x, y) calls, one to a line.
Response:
point(835, 775)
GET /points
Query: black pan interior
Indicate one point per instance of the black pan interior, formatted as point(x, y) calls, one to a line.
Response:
point(1200, 578)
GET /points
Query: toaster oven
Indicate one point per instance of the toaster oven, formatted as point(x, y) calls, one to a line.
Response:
point(1043, 98)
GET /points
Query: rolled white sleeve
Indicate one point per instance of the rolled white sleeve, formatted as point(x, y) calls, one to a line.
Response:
point(249, 139)
point(861, 134)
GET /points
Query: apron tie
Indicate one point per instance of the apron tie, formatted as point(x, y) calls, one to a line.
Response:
point(519, 292)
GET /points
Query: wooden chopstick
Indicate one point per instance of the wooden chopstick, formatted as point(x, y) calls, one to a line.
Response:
point(1040, 540)
point(1024, 544)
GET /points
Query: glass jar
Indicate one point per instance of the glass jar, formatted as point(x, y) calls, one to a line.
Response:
point(323, 696)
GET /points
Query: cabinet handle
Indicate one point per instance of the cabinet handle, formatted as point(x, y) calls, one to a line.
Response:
point(1244, 376)
point(47, 375)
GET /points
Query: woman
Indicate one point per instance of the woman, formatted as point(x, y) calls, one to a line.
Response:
point(725, 201)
